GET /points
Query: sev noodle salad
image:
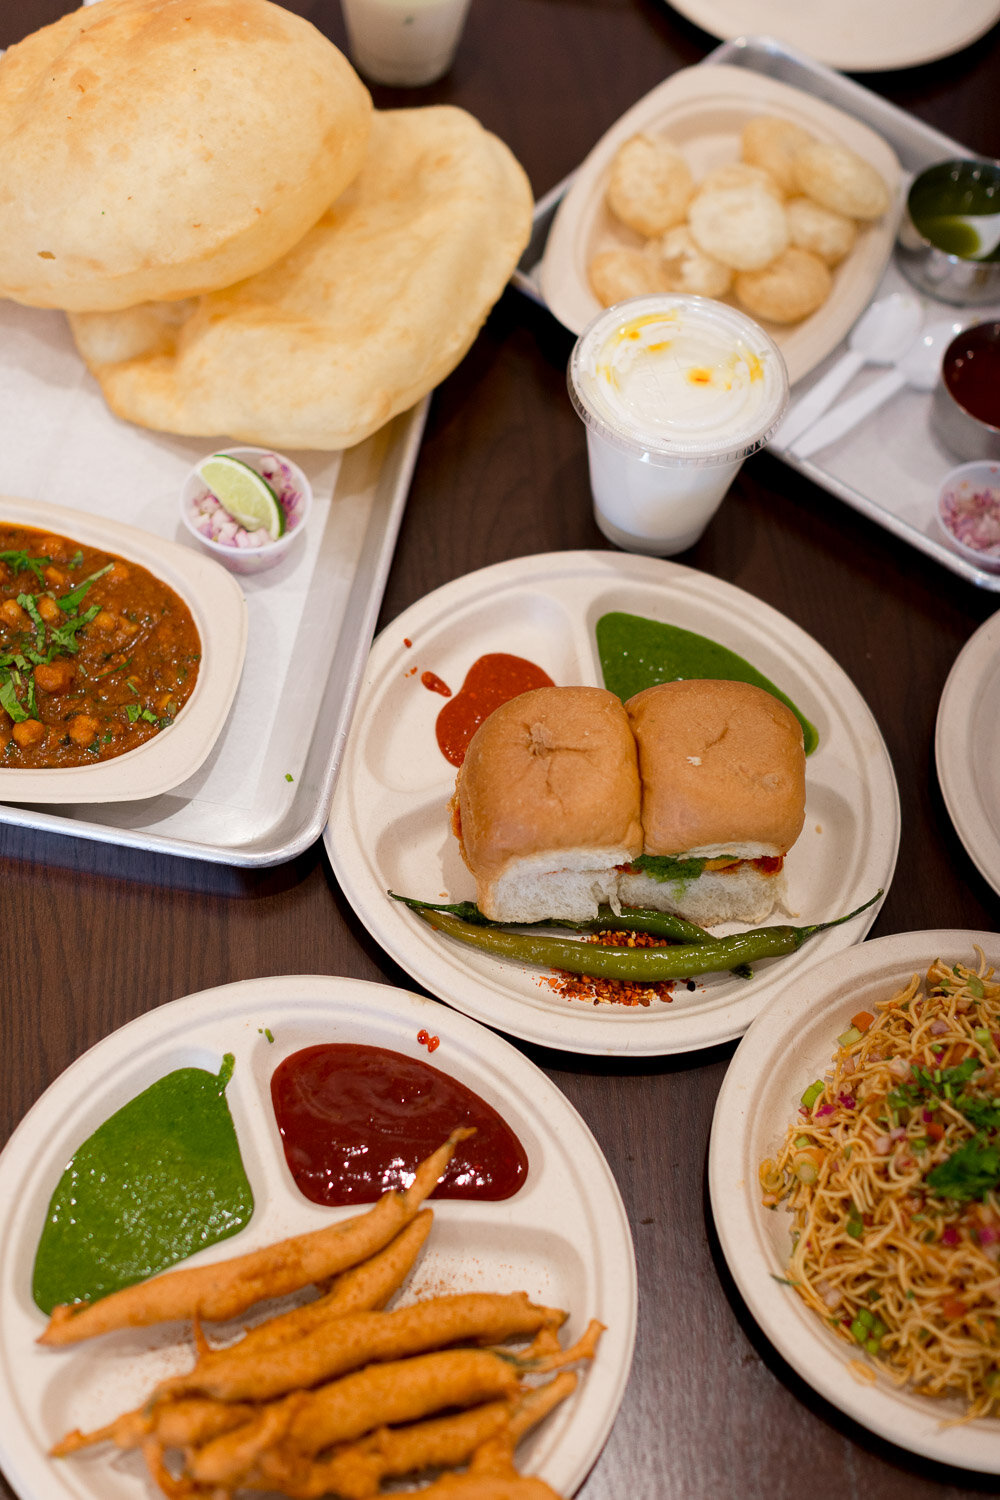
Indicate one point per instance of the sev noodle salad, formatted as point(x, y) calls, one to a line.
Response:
point(892, 1175)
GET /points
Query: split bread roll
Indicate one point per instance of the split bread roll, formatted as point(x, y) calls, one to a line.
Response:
point(567, 800)
point(371, 310)
point(546, 804)
point(722, 766)
point(159, 149)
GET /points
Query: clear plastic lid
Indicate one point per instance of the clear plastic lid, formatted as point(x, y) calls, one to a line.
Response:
point(684, 378)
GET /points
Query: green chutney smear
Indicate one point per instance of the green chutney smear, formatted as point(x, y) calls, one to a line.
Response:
point(160, 1179)
point(637, 653)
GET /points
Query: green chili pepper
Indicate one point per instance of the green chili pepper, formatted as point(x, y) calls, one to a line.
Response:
point(664, 924)
point(642, 965)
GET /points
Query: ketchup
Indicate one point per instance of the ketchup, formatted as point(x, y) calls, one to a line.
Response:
point(357, 1120)
point(972, 371)
point(490, 681)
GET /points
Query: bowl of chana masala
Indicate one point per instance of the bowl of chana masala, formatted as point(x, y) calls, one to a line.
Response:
point(107, 639)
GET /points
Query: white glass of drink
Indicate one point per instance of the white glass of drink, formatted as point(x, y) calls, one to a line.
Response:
point(404, 42)
point(675, 392)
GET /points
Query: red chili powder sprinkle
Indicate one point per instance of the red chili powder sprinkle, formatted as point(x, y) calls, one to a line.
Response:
point(411, 671)
point(407, 642)
point(612, 991)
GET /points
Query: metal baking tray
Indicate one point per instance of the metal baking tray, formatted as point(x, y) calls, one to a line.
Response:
point(890, 467)
point(264, 795)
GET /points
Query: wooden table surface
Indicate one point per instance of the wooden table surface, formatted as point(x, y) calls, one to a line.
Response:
point(93, 935)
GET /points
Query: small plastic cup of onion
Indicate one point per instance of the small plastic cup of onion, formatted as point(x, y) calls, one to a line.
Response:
point(220, 534)
point(969, 512)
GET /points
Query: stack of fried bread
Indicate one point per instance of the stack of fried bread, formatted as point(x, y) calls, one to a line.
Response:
point(244, 246)
point(686, 798)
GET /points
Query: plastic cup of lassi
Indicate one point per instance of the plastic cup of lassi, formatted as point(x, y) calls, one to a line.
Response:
point(404, 42)
point(675, 392)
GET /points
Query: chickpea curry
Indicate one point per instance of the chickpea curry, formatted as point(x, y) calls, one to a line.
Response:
point(96, 654)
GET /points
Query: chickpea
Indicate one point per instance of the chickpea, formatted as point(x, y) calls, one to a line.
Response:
point(83, 730)
point(28, 732)
point(54, 547)
point(48, 609)
point(55, 676)
point(105, 622)
point(117, 573)
point(13, 614)
point(54, 577)
point(127, 629)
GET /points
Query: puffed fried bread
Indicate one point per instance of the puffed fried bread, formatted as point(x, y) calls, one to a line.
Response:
point(156, 149)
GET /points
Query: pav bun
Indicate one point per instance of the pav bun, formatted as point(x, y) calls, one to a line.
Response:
point(154, 149)
point(722, 767)
point(546, 804)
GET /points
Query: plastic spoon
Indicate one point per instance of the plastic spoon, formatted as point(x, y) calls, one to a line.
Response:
point(920, 366)
point(882, 333)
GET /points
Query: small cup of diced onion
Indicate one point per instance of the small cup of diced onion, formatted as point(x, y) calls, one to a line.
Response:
point(243, 549)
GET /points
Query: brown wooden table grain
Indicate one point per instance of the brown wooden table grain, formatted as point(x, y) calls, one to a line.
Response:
point(93, 935)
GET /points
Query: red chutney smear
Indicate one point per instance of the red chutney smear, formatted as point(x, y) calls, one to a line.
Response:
point(490, 681)
point(357, 1120)
point(434, 684)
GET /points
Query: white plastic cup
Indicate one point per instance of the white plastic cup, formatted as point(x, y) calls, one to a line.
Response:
point(675, 392)
point(404, 42)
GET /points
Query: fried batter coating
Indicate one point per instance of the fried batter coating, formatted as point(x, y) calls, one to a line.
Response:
point(686, 268)
point(743, 227)
point(650, 185)
point(829, 235)
point(839, 178)
point(769, 142)
point(357, 1339)
point(790, 288)
point(617, 274)
point(227, 1288)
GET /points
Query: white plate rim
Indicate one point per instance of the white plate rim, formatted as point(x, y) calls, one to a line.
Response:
point(914, 41)
point(440, 966)
point(219, 610)
point(562, 276)
point(956, 742)
point(819, 1357)
point(362, 1008)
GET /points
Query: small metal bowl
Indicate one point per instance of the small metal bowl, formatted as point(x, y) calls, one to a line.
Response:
point(966, 417)
point(967, 187)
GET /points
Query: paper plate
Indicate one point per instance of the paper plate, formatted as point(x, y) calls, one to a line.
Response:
point(219, 611)
point(563, 1237)
point(702, 111)
point(854, 34)
point(965, 747)
point(390, 828)
point(790, 1044)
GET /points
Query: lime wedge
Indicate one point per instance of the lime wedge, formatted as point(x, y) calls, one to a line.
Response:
point(242, 492)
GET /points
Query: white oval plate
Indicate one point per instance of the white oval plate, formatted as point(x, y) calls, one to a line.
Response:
point(389, 827)
point(965, 748)
point(854, 35)
point(219, 611)
point(564, 1238)
point(702, 111)
point(790, 1044)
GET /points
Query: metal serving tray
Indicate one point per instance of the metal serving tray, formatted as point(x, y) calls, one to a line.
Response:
point(264, 794)
point(889, 467)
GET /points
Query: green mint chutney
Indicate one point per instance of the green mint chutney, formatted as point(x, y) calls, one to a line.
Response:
point(160, 1179)
point(637, 653)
